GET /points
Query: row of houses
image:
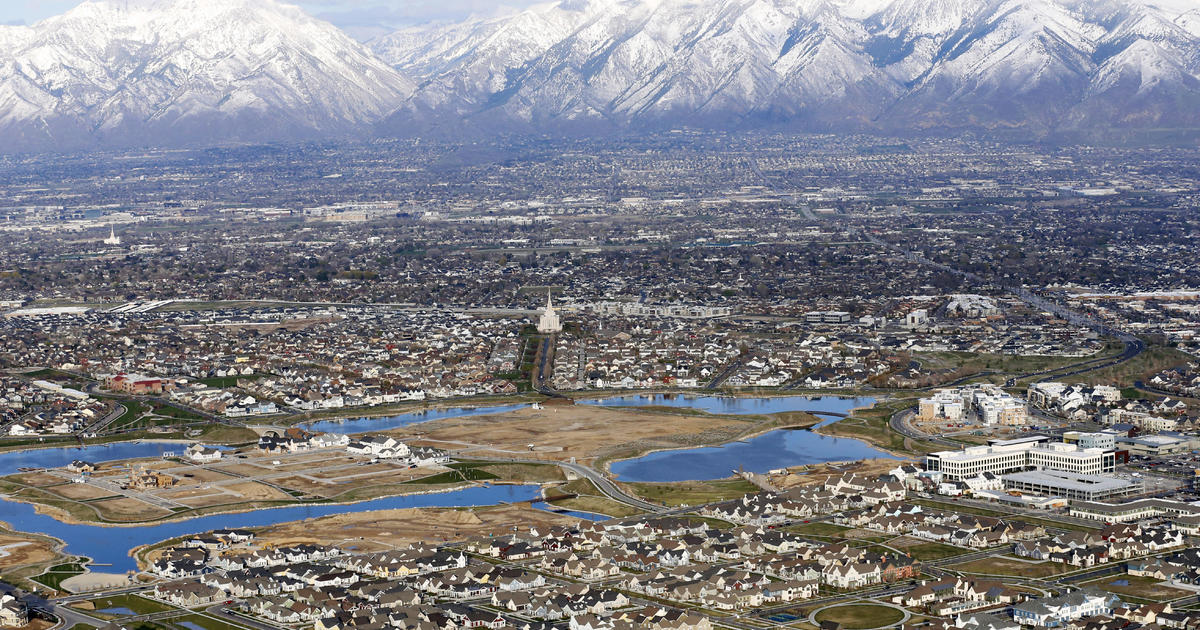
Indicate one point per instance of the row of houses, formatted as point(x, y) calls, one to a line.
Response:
point(1120, 541)
point(962, 530)
point(847, 492)
point(955, 595)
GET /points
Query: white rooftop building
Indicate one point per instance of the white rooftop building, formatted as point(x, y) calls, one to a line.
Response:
point(549, 322)
point(1018, 456)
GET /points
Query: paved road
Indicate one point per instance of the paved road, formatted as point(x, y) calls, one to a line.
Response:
point(606, 486)
point(611, 489)
point(724, 375)
point(1133, 347)
point(899, 424)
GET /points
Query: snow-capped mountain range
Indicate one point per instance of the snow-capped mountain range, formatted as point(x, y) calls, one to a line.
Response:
point(167, 71)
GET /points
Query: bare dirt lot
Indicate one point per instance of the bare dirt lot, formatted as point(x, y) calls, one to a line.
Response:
point(585, 432)
point(388, 528)
point(128, 510)
point(79, 491)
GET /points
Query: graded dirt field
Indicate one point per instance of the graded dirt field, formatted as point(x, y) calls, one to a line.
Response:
point(127, 510)
point(78, 491)
point(585, 432)
point(1004, 565)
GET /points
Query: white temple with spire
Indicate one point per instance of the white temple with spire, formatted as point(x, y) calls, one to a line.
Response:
point(549, 323)
point(112, 239)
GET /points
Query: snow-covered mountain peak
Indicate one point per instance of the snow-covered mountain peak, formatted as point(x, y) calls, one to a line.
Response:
point(201, 70)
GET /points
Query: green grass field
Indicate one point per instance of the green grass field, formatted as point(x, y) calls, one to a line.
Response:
point(139, 606)
point(54, 576)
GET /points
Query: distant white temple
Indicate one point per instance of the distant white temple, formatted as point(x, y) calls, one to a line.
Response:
point(112, 239)
point(549, 323)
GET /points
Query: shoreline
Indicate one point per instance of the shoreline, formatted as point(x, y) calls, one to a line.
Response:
point(46, 510)
point(746, 436)
point(64, 517)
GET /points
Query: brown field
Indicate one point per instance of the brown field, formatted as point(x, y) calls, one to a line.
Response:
point(1139, 587)
point(38, 480)
point(246, 469)
point(233, 493)
point(1001, 565)
point(232, 482)
point(79, 491)
point(125, 509)
point(198, 475)
point(585, 432)
point(353, 473)
point(389, 528)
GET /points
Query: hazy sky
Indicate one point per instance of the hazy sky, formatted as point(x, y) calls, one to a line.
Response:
point(350, 14)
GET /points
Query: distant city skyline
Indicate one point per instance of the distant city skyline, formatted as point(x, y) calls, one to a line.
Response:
point(356, 16)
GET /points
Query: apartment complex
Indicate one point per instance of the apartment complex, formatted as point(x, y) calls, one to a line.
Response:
point(985, 404)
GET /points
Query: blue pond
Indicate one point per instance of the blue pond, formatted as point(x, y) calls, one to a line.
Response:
point(118, 610)
point(775, 449)
point(111, 545)
point(385, 423)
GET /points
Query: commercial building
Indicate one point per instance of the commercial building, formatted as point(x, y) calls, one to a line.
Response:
point(1018, 456)
point(1071, 485)
point(1162, 444)
point(827, 317)
point(1133, 510)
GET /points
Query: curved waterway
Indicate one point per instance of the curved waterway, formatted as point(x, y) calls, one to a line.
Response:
point(386, 423)
point(776, 449)
point(109, 547)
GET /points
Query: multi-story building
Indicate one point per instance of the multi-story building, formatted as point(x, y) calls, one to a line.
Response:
point(986, 403)
point(1070, 485)
point(1020, 455)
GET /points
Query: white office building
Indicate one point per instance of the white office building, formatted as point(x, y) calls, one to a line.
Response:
point(1020, 455)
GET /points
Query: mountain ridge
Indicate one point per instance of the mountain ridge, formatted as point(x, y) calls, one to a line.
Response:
point(165, 72)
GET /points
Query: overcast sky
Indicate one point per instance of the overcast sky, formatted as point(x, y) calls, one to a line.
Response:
point(354, 15)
